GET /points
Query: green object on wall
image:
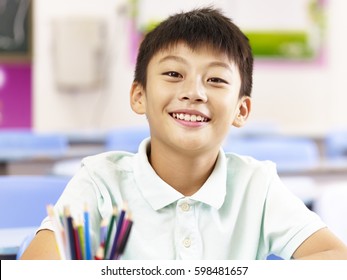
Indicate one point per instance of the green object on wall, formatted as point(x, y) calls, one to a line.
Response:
point(280, 44)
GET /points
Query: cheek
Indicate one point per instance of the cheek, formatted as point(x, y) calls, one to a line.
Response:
point(224, 101)
point(226, 109)
point(162, 91)
point(157, 98)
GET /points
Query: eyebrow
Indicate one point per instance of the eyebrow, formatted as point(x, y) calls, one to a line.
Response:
point(182, 60)
point(173, 57)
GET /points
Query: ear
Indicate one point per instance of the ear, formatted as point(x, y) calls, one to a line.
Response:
point(138, 98)
point(244, 109)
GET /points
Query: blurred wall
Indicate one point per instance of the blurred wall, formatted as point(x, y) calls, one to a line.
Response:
point(70, 110)
point(302, 99)
point(307, 99)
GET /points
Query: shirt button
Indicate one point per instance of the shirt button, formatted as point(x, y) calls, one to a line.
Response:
point(187, 242)
point(185, 206)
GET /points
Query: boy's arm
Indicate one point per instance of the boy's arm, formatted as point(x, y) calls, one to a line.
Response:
point(322, 245)
point(42, 247)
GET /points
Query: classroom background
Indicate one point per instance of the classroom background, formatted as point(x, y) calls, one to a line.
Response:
point(66, 67)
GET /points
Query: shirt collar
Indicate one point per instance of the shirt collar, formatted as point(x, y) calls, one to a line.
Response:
point(160, 194)
point(213, 191)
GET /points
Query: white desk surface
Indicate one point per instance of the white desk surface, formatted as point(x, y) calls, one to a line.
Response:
point(11, 239)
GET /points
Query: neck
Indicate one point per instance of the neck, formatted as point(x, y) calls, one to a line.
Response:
point(185, 172)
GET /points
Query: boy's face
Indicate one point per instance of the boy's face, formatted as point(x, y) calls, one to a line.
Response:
point(191, 98)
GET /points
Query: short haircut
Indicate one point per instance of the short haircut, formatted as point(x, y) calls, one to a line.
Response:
point(199, 27)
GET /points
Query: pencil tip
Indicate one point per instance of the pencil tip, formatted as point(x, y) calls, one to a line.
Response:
point(67, 211)
point(129, 215)
point(50, 210)
point(115, 210)
point(125, 205)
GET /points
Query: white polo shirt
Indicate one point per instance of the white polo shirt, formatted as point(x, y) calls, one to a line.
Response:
point(243, 211)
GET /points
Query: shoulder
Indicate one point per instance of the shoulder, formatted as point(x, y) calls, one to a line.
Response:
point(100, 180)
point(114, 160)
point(249, 177)
point(246, 165)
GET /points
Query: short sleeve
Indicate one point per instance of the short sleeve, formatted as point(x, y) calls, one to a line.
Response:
point(287, 222)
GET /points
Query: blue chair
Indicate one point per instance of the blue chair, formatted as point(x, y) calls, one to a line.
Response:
point(126, 138)
point(23, 199)
point(24, 144)
point(336, 144)
point(291, 154)
point(255, 129)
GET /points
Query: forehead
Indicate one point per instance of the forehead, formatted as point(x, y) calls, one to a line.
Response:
point(184, 50)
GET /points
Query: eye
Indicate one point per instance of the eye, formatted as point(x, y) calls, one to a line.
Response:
point(217, 81)
point(173, 74)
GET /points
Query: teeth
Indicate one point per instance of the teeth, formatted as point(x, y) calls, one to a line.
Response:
point(189, 118)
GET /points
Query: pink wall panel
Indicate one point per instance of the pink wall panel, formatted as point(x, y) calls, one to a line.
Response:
point(15, 96)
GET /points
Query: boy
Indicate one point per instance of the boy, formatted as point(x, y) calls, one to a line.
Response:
point(188, 199)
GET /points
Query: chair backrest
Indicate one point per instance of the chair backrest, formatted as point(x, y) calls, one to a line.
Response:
point(126, 138)
point(289, 153)
point(23, 199)
point(255, 129)
point(336, 144)
point(24, 143)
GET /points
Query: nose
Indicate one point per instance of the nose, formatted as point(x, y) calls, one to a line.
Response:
point(194, 91)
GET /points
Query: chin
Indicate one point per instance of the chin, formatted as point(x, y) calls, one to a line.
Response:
point(193, 145)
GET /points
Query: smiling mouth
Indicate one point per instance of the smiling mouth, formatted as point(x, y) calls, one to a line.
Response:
point(189, 117)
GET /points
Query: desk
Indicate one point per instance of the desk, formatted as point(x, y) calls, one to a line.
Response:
point(34, 162)
point(25, 146)
point(11, 239)
point(309, 184)
point(325, 173)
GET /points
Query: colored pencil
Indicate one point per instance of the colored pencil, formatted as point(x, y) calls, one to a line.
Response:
point(124, 238)
point(123, 230)
point(110, 231)
point(117, 233)
point(74, 240)
point(58, 231)
point(70, 232)
point(80, 231)
point(99, 253)
point(77, 243)
point(87, 239)
point(103, 232)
